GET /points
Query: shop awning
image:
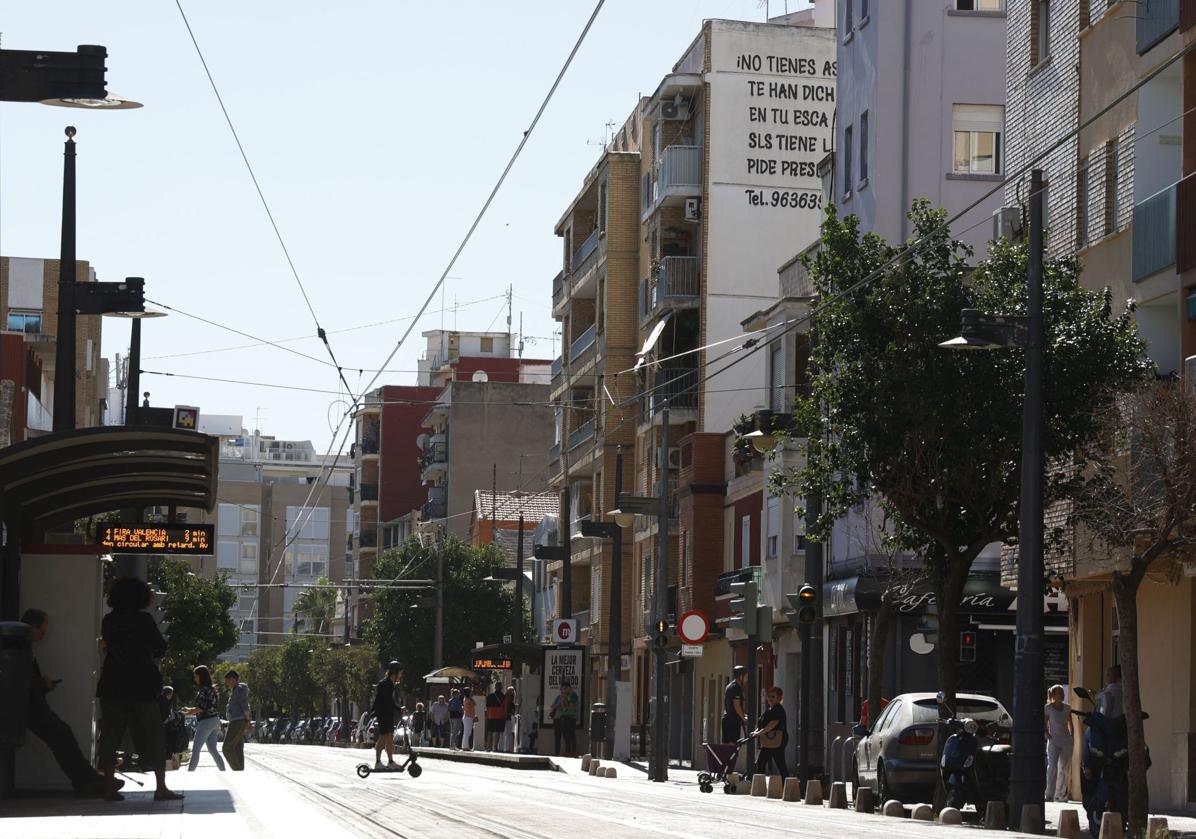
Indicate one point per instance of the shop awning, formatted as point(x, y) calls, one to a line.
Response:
point(982, 593)
point(71, 474)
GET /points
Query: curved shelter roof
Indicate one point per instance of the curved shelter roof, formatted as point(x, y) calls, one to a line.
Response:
point(72, 474)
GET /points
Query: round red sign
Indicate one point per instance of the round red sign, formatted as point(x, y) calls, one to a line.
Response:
point(693, 627)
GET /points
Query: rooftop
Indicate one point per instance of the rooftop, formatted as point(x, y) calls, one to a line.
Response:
point(506, 506)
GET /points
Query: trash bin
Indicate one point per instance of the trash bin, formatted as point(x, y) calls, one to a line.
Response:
point(16, 667)
point(597, 724)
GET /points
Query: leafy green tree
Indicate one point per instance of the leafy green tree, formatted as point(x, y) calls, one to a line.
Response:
point(315, 607)
point(266, 687)
point(934, 436)
point(346, 673)
point(402, 625)
point(299, 692)
point(198, 626)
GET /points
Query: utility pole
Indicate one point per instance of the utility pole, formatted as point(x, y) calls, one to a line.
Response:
point(659, 771)
point(517, 633)
point(64, 350)
point(565, 609)
point(811, 653)
point(438, 643)
point(1028, 773)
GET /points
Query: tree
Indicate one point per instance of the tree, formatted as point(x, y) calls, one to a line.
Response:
point(266, 687)
point(315, 606)
point(402, 625)
point(933, 435)
point(346, 673)
point(300, 694)
point(198, 627)
point(1139, 502)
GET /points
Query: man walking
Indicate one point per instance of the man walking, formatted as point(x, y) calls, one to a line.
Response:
point(456, 706)
point(734, 715)
point(384, 713)
point(50, 728)
point(238, 721)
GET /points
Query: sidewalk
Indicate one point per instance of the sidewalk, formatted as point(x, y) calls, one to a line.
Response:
point(218, 804)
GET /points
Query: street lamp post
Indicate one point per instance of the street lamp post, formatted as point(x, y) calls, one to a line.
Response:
point(1028, 772)
point(64, 348)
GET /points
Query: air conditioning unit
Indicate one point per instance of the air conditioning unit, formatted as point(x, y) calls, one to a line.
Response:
point(676, 109)
point(1007, 223)
point(674, 457)
point(290, 445)
point(693, 209)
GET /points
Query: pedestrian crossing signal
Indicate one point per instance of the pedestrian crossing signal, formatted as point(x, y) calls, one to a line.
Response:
point(967, 646)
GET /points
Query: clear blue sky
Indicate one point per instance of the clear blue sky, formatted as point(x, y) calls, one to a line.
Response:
point(376, 130)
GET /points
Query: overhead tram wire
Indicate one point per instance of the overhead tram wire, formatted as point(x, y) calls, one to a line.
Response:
point(493, 192)
point(320, 333)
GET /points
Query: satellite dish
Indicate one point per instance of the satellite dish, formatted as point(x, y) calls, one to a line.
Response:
point(480, 376)
point(422, 441)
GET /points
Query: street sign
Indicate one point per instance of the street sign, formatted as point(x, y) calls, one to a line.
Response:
point(691, 650)
point(564, 631)
point(195, 539)
point(693, 627)
point(186, 417)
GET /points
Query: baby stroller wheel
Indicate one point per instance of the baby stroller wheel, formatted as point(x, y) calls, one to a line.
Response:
point(729, 789)
point(363, 770)
point(415, 770)
point(706, 787)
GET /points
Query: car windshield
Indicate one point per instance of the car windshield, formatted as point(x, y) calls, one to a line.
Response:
point(985, 709)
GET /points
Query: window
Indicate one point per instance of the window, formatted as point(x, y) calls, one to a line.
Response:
point(978, 5)
point(847, 22)
point(246, 601)
point(314, 522)
point(250, 517)
point(28, 322)
point(602, 207)
point(487, 345)
point(247, 626)
point(745, 539)
point(226, 556)
point(1040, 27)
point(774, 527)
point(228, 520)
point(247, 561)
point(863, 148)
point(978, 131)
point(308, 560)
point(847, 181)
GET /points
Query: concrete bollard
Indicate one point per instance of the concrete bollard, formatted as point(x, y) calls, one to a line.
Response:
point(922, 812)
point(1069, 824)
point(814, 792)
point(1110, 826)
point(893, 807)
point(611, 772)
point(994, 816)
point(1156, 828)
point(775, 786)
point(1032, 819)
point(759, 785)
point(865, 799)
point(792, 789)
point(595, 766)
point(950, 815)
point(838, 799)
point(585, 762)
point(836, 764)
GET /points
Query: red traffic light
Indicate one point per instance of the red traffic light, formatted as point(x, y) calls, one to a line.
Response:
point(968, 639)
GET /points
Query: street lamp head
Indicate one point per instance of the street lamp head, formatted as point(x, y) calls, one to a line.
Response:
point(111, 102)
point(621, 518)
point(136, 315)
point(762, 441)
point(70, 132)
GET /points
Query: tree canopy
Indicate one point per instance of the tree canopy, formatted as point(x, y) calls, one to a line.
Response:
point(198, 626)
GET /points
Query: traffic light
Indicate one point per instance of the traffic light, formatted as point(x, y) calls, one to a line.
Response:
point(967, 645)
point(764, 623)
point(805, 606)
point(661, 633)
point(744, 614)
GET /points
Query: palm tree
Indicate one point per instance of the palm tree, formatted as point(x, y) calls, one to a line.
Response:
point(316, 605)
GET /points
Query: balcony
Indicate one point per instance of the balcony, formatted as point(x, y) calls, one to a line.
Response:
point(434, 461)
point(677, 285)
point(558, 367)
point(1156, 20)
point(678, 385)
point(368, 539)
point(554, 459)
point(588, 249)
point(369, 493)
point(558, 288)
point(370, 443)
point(680, 173)
point(581, 344)
point(581, 434)
point(37, 418)
point(1154, 234)
point(433, 510)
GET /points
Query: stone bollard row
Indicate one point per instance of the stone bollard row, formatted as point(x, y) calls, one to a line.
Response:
point(1110, 826)
point(1032, 819)
point(922, 813)
point(865, 799)
point(585, 762)
point(1156, 828)
point(759, 785)
point(994, 816)
point(814, 792)
point(894, 808)
point(775, 786)
point(594, 767)
point(792, 791)
point(950, 815)
point(838, 799)
point(1069, 824)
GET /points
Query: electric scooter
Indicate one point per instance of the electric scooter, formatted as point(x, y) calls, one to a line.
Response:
point(410, 765)
point(975, 764)
point(1104, 763)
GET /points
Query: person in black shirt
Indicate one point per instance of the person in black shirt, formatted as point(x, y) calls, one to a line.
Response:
point(384, 713)
point(734, 715)
point(772, 733)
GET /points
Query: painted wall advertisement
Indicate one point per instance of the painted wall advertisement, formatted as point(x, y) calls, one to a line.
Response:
point(562, 664)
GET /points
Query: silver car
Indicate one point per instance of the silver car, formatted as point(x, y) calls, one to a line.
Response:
point(898, 756)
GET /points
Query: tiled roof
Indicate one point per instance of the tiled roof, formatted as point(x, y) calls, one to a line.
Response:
point(506, 506)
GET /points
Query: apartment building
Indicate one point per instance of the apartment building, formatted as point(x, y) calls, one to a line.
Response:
point(29, 317)
point(280, 523)
point(1121, 194)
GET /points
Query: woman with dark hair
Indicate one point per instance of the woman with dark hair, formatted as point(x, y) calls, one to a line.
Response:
point(207, 719)
point(129, 685)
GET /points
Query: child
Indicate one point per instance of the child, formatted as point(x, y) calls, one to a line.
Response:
point(418, 722)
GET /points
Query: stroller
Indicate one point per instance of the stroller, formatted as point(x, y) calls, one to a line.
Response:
point(720, 764)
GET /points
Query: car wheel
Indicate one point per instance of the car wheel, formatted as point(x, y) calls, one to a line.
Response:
point(883, 792)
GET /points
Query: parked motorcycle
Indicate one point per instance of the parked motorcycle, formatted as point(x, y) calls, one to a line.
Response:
point(975, 761)
point(1104, 763)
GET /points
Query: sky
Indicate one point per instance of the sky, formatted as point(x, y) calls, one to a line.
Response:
point(376, 130)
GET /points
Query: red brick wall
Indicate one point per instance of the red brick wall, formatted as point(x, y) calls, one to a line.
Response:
point(748, 506)
point(701, 518)
point(13, 361)
point(401, 490)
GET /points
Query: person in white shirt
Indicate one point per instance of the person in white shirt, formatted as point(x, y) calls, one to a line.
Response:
point(1057, 718)
point(1111, 701)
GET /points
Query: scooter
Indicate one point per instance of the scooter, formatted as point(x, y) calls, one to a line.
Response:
point(410, 765)
point(1104, 763)
point(975, 763)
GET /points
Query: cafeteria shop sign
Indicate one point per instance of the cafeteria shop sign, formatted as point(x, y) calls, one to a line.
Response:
point(561, 664)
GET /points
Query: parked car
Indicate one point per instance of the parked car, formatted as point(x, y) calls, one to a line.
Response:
point(363, 725)
point(898, 756)
point(344, 731)
point(278, 729)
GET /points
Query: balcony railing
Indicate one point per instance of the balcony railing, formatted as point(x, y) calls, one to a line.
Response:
point(37, 418)
point(558, 366)
point(370, 443)
point(558, 288)
point(369, 539)
point(678, 277)
point(680, 167)
point(433, 510)
point(554, 457)
point(369, 492)
point(435, 453)
point(1156, 20)
point(1154, 234)
point(582, 343)
point(585, 251)
point(579, 435)
point(679, 386)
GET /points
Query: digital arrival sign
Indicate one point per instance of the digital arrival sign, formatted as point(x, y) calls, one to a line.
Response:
point(195, 539)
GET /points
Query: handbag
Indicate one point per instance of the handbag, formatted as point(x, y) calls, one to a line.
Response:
point(773, 739)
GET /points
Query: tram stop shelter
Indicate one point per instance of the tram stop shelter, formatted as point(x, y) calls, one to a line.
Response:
point(51, 481)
